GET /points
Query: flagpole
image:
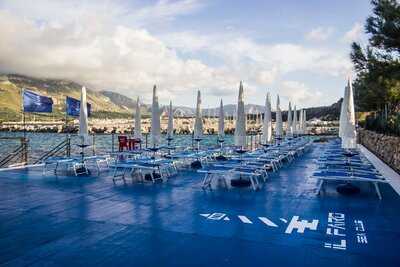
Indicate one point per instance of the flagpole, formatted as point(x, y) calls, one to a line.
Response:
point(23, 113)
point(67, 140)
point(66, 115)
point(23, 123)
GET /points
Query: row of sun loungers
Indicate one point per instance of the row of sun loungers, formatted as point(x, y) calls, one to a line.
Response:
point(218, 165)
point(337, 164)
point(253, 165)
point(147, 165)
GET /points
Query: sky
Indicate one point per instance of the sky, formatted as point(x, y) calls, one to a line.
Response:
point(298, 49)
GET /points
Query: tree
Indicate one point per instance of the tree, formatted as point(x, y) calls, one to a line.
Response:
point(377, 85)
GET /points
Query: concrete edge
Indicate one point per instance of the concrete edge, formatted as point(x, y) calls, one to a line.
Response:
point(383, 168)
point(21, 167)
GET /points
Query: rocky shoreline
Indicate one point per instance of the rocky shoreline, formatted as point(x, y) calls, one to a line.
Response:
point(181, 126)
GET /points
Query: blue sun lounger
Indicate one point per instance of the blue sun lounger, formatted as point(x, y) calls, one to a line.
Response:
point(334, 165)
point(224, 172)
point(76, 165)
point(324, 176)
point(157, 169)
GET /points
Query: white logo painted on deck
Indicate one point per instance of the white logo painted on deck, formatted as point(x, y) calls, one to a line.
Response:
point(335, 231)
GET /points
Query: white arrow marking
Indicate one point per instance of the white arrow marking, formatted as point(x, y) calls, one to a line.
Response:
point(226, 219)
point(244, 219)
point(205, 214)
point(216, 216)
point(283, 220)
point(267, 221)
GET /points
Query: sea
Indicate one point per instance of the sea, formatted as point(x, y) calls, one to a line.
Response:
point(40, 143)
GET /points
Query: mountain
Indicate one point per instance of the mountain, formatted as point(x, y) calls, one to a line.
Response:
point(105, 104)
point(328, 113)
point(230, 110)
point(108, 104)
point(120, 100)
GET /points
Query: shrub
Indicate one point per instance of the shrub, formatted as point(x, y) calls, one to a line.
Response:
point(379, 123)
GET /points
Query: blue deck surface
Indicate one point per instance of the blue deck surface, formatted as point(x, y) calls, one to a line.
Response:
point(73, 221)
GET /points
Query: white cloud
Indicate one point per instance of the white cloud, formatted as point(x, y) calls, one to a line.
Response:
point(104, 57)
point(354, 34)
point(319, 34)
point(270, 60)
point(134, 11)
point(299, 93)
point(186, 41)
point(92, 45)
point(267, 77)
point(167, 10)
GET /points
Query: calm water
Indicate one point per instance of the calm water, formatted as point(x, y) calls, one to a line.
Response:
point(39, 143)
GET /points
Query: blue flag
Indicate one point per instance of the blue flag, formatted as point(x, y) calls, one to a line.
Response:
point(33, 102)
point(73, 107)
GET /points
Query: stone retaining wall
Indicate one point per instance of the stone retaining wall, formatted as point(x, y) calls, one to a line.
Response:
point(387, 148)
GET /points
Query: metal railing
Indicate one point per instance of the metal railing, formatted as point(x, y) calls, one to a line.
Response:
point(18, 156)
point(64, 146)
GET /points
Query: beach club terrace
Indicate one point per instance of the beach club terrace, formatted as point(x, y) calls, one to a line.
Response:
point(292, 200)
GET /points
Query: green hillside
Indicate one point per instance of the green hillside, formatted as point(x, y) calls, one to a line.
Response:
point(104, 104)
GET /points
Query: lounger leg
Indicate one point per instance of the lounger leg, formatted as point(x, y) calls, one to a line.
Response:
point(252, 183)
point(208, 180)
point(280, 163)
point(205, 181)
point(257, 179)
point(114, 174)
point(55, 169)
point(378, 192)
point(123, 175)
point(225, 182)
point(320, 183)
point(266, 176)
point(44, 169)
point(84, 167)
point(168, 171)
point(173, 169)
point(139, 174)
point(134, 174)
point(163, 173)
point(98, 167)
point(143, 176)
point(74, 168)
